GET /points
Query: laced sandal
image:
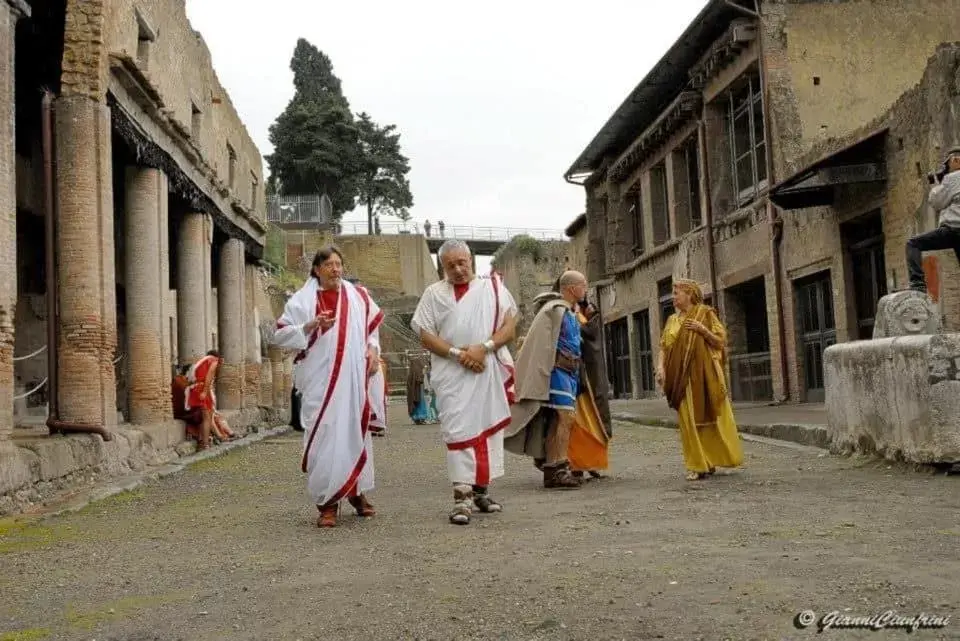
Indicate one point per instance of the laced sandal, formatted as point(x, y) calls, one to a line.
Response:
point(463, 502)
point(696, 476)
point(486, 504)
point(559, 477)
point(328, 515)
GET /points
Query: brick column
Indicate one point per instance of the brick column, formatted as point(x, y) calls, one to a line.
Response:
point(231, 329)
point(8, 214)
point(251, 390)
point(287, 379)
point(193, 285)
point(146, 286)
point(87, 331)
point(275, 356)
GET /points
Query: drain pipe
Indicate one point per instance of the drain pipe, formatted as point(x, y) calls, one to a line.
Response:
point(708, 209)
point(54, 423)
point(776, 229)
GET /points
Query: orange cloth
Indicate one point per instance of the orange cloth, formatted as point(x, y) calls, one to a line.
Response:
point(589, 442)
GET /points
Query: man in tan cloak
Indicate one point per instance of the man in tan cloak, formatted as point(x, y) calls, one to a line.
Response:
point(548, 381)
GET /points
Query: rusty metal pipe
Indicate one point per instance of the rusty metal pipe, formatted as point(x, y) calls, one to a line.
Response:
point(708, 209)
point(54, 424)
point(776, 227)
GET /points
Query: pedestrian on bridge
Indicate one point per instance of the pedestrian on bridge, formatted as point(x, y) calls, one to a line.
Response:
point(335, 326)
point(426, 227)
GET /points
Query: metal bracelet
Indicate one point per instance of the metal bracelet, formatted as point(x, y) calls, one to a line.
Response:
point(454, 352)
point(490, 346)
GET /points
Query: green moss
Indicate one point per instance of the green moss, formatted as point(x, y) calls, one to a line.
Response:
point(522, 245)
point(34, 537)
point(120, 609)
point(32, 634)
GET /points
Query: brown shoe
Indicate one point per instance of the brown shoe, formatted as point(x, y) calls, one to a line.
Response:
point(362, 506)
point(559, 477)
point(328, 515)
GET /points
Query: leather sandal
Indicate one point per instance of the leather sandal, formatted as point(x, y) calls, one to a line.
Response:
point(363, 507)
point(486, 504)
point(328, 515)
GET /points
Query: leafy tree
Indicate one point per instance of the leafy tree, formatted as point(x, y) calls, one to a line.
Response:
point(383, 185)
point(315, 139)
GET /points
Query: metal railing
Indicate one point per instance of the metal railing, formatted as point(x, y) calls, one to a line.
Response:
point(750, 377)
point(459, 232)
point(300, 210)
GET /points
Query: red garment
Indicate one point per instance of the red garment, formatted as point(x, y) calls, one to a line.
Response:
point(460, 289)
point(195, 398)
point(327, 302)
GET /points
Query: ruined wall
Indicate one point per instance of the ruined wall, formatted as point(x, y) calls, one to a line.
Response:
point(833, 66)
point(922, 128)
point(576, 258)
point(157, 58)
point(526, 274)
point(400, 262)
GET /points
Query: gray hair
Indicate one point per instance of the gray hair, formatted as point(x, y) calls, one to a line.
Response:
point(453, 245)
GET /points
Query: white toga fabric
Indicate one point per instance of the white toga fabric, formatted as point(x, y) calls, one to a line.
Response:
point(332, 377)
point(473, 408)
point(378, 398)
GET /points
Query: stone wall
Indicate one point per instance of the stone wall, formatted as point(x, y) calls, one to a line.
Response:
point(895, 397)
point(833, 66)
point(178, 65)
point(577, 251)
point(529, 268)
point(399, 263)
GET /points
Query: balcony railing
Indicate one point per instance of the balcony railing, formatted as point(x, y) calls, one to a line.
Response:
point(750, 377)
point(458, 232)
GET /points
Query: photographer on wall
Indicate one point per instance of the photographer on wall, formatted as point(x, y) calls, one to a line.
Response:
point(945, 200)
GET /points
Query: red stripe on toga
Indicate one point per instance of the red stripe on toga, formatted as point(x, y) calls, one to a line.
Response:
point(334, 373)
point(479, 445)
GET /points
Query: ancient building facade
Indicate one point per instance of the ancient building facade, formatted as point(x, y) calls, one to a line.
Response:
point(154, 188)
point(773, 156)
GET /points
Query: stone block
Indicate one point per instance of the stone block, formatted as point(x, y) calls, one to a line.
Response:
point(164, 434)
point(18, 467)
point(906, 313)
point(896, 397)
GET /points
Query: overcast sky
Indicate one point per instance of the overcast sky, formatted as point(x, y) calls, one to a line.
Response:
point(494, 101)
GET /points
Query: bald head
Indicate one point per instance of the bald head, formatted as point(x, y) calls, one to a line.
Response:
point(573, 286)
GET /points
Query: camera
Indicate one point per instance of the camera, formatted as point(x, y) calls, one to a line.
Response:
point(937, 176)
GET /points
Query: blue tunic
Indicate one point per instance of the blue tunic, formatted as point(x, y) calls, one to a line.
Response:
point(563, 384)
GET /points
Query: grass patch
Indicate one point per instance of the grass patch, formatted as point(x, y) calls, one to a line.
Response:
point(33, 537)
point(120, 609)
point(31, 634)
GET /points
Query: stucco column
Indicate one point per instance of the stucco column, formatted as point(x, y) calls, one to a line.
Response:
point(87, 331)
point(8, 215)
point(193, 256)
point(251, 357)
point(146, 288)
point(231, 329)
point(275, 356)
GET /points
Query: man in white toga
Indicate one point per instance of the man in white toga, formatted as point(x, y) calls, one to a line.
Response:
point(335, 326)
point(466, 323)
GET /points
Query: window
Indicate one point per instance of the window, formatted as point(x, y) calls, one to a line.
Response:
point(665, 298)
point(196, 120)
point(747, 141)
point(635, 215)
point(232, 169)
point(254, 190)
point(641, 323)
point(659, 205)
point(686, 185)
point(146, 36)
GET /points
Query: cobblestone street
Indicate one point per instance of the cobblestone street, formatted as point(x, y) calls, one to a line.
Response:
point(229, 550)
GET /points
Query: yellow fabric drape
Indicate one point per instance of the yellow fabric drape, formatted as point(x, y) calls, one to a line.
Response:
point(587, 449)
point(708, 430)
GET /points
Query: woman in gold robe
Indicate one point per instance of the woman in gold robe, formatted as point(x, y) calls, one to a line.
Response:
point(691, 370)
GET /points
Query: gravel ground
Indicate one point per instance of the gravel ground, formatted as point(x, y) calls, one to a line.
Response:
point(229, 550)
